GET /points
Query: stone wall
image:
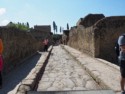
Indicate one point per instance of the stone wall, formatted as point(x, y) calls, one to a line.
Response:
point(17, 46)
point(99, 39)
point(107, 32)
point(89, 20)
point(45, 28)
point(82, 39)
point(40, 32)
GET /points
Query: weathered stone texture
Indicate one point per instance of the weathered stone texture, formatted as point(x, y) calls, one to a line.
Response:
point(99, 39)
point(45, 28)
point(89, 20)
point(107, 32)
point(17, 46)
point(40, 32)
point(29, 82)
point(80, 40)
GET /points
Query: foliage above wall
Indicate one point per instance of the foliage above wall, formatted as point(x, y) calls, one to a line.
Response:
point(20, 26)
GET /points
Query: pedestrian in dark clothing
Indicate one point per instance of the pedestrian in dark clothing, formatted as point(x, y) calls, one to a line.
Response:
point(45, 42)
point(121, 59)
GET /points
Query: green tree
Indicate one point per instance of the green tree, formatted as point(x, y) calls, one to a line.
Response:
point(11, 24)
point(60, 29)
point(54, 26)
point(67, 26)
point(56, 29)
point(27, 24)
point(18, 25)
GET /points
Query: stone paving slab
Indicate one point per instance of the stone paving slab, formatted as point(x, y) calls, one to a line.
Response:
point(103, 72)
point(64, 73)
point(73, 92)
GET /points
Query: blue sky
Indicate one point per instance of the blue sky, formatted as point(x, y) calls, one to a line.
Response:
point(44, 12)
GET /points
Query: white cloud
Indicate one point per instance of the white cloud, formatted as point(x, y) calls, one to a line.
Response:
point(2, 11)
point(4, 22)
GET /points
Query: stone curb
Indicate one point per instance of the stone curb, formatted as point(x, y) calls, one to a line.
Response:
point(29, 83)
point(89, 71)
point(95, 74)
point(108, 63)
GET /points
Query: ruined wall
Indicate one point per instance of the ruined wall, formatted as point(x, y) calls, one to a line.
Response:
point(17, 46)
point(82, 39)
point(81, 36)
point(107, 32)
point(89, 20)
point(42, 32)
point(99, 39)
point(45, 28)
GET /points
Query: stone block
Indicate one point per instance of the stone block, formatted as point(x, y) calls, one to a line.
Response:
point(23, 88)
point(28, 82)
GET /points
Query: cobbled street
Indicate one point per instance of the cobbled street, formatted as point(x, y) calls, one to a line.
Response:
point(64, 73)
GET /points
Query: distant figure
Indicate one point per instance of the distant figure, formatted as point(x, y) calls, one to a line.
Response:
point(121, 59)
point(64, 39)
point(1, 62)
point(45, 42)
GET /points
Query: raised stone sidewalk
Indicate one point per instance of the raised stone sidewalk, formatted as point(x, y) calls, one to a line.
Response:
point(102, 71)
point(30, 82)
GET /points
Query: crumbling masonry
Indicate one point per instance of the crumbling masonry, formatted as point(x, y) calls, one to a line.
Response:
point(96, 35)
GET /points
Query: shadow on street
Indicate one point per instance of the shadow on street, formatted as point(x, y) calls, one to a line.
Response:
point(12, 79)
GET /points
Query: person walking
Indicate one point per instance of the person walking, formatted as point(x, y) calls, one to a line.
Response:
point(121, 59)
point(45, 42)
point(1, 62)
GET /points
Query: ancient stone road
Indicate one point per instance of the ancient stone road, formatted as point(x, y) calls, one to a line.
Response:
point(63, 73)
